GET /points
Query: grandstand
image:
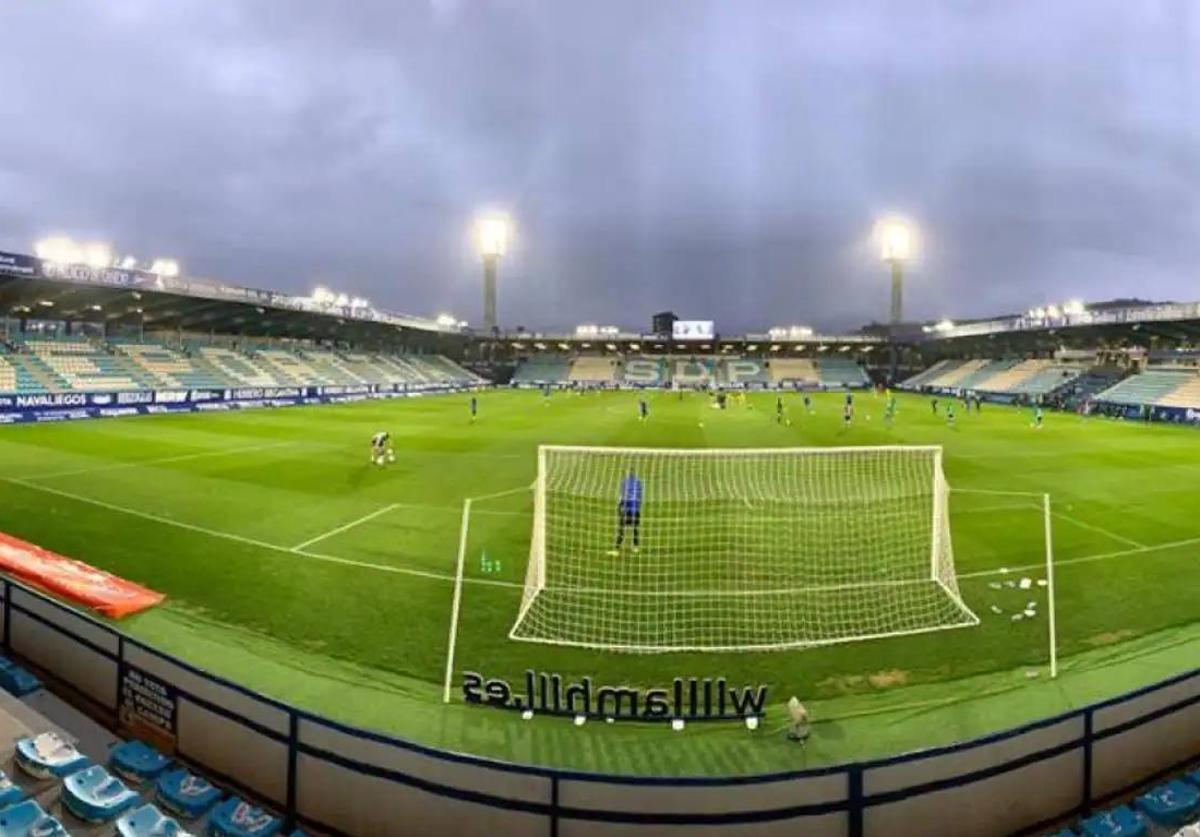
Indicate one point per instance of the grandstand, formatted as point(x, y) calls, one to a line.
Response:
point(1154, 388)
point(54, 366)
point(593, 370)
point(841, 372)
point(799, 371)
point(690, 371)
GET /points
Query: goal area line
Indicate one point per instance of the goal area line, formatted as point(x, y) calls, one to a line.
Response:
point(747, 648)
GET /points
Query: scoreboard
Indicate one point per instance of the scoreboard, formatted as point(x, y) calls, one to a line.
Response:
point(693, 330)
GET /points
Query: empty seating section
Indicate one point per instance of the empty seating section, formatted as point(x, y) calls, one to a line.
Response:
point(450, 370)
point(1187, 395)
point(329, 368)
point(746, 370)
point(594, 369)
point(8, 375)
point(841, 372)
point(239, 369)
point(1147, 388)
point(48, 365)
point(80, 365)
point(645, 371)
point(363, 368)
point(542, 369)
point(1048, 379)
point(953, 377)
point(794, 370)
point(170, 368)
point(1006, 379)
point(289, 369)
point(923, 378)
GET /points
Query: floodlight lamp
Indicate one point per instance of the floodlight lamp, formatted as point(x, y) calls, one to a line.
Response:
point(165, 267)
point(57, 248)
point(128, 263)
point(97, 255)
point(446, 320)
point(895, 241)
point(492, 232)
point(1073, 308)
point(944, 325)
point(1052, 311)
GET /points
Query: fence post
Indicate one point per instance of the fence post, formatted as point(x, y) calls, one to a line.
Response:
point(854, 792)
point(7, 616)
point(293, 756)
point(1086, 806)
point(553, 805)
point(120, 677)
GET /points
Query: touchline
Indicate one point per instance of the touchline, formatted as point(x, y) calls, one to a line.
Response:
point(690, 698)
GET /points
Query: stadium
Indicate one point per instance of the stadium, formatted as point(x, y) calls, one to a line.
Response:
point(890, 530)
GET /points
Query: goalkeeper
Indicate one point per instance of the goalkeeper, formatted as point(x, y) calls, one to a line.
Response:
point(629, 512)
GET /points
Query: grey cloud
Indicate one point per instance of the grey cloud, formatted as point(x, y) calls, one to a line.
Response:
point(724, 159)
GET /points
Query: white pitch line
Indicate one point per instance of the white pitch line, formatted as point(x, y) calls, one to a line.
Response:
point(1105, 532)
point(300, 546)
point(180, 458)
point(229, 536)
point(1083, 559)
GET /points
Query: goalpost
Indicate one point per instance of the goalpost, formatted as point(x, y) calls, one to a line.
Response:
point(739, 549)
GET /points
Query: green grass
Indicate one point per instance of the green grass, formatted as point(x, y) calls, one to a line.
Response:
point(209, 508)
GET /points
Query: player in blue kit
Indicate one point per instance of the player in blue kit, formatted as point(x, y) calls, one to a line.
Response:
point(629, 512)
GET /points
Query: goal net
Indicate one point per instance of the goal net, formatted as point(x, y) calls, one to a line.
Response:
point(738, 550)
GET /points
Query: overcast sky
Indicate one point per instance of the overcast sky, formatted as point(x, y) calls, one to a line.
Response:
point(726, 160)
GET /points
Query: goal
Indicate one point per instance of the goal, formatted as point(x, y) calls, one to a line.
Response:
point(738, 549)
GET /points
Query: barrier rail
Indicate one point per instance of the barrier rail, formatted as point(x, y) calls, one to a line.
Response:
point(334, 777)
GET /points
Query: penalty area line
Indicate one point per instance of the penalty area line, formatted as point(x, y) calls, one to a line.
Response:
point(300, 546)
point(77, 472)
point(229, 536)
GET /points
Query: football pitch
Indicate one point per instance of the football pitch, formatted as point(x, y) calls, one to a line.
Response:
point(298, 568)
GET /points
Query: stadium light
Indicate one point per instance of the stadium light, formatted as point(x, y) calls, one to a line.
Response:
point(97, 254)
point(447, 320)
point(944, 325)
point(492, 234)
point(895, 240)
point(1052, 311)
point(1073, 308)
point(128, 263)
point(165, 267)
point(57, 248)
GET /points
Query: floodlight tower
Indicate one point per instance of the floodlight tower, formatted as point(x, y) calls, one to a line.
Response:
point(896, 246)
point(492, 233)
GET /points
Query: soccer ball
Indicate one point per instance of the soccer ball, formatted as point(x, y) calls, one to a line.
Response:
point(391, 456)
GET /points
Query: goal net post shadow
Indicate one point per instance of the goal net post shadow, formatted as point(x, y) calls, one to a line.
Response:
point(656, 550)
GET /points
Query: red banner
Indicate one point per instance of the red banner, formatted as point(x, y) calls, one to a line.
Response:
point(74, 580)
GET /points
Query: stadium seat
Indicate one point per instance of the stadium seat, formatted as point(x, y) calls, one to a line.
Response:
point(16, 680)
point(10, 793)
point(1172, 804)
point(237, 818)
point(95, 795)
point(185, 794)
point(46, 755)
point(28, 819)
point(137, 761)
point(148, 821)
point(1121, 821)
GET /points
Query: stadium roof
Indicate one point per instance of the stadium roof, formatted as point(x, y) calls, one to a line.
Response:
point(36, 288)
